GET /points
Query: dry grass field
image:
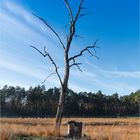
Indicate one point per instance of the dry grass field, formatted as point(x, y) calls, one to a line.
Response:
point(95, 128)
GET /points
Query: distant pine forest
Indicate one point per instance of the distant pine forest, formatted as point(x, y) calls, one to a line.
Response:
point(39, 102)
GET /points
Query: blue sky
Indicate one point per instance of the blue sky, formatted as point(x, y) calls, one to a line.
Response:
point(114, 22)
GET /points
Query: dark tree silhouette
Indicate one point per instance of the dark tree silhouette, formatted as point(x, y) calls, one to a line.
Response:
point(38, 102)
point(68, 61)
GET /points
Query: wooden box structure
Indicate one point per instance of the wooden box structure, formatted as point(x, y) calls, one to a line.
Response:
point(74, 129)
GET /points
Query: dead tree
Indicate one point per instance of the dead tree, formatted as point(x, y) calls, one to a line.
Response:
point(68, 61)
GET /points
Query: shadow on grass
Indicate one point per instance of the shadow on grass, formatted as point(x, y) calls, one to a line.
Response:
point(48, 138)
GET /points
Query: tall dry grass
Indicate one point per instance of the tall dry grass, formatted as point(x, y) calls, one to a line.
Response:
point(96, 128)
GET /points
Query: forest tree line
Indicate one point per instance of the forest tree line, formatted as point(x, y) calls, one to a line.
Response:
point(39, 102)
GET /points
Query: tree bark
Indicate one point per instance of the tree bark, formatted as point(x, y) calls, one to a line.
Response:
point(63, 92)
point(60, 109)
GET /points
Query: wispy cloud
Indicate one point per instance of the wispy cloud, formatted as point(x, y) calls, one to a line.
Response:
point(21, 32)
point(20, 68)
point(112, 73)
point(24, 28)
point(78, 88)
point(13, 8)
point(29, 71)
point(12, 83)
point(21, 29)
point(131, 74)
point(108, 81)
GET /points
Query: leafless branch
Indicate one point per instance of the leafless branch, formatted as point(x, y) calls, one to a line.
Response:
point(79, 68)
point(72, 26)
point(48, 55)
point(83, 14)
point(50, 27)
point(84, 50)
point(95, 49)
point(44, 55)
point(79, 10)
point(92, 54)
point(76, 64)
point(47, 77)
point(69, 9)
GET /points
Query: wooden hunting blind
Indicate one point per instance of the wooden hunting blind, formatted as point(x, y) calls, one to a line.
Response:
point(74, 129)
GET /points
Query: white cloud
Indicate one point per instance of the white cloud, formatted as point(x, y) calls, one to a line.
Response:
point(108, 81)
point(12, 83)
point(24, 14)
point(24, 27)
point(112, 73)
point(20, 68)
point(21, 11)
point(131, 74)
point(84, 74)
point(76, 87)
point(18, 34)
point(29, 71)
point(21, 32)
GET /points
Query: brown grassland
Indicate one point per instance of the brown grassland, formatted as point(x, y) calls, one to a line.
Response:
point(95, 128)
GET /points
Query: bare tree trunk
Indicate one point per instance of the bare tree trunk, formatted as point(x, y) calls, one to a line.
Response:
point(60, 109)
point(63, 92)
